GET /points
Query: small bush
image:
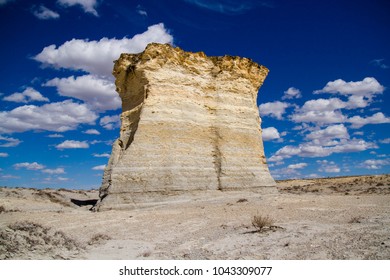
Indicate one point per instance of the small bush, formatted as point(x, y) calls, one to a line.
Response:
point(2, 209)
point(262, 222)
point(242, 200)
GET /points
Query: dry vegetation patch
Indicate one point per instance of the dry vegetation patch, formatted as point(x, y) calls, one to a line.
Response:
point(19, 239)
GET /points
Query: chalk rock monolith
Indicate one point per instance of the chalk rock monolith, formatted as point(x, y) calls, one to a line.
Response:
point(189, 123)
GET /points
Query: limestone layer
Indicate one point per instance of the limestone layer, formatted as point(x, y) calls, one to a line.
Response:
point(189, 123)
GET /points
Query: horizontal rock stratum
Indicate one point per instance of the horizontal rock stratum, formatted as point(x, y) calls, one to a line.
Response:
point(190, 123)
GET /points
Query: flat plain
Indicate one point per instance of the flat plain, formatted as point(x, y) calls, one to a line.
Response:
point(329, 218)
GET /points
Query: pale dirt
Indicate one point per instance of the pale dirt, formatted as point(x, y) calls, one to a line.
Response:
point(335, 218)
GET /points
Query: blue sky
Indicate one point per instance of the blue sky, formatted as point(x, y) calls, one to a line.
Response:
point(323, 104)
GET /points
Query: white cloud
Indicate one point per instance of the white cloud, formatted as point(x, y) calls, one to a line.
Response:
point(56, 135)
point(8, 176)
point(313, 149)
point(98, 93)
point(28, 95)
point(72, 144)
point(321, 111)
point(270, 133)
point(54, 171)
point(141, 11)
point(375, 163)
point(8, 141)
point(102, 155)
point(275, 109)
point(229, 7)
point(3, 2)
point(328, 166)
point(29, 166)
point(62, 178)
point(377, 118)
point(355, 101)
point(92, 131)
point(323, 136)
point(58, 116)
point(42, 12)
point(379, 63)
point(291, 93)
point(99, 167)
point(297, 165)
point(96, 57)
point(367, 87)
point(385, 141)
point(3, 155)
point(319, 117)
point(353, 145)
point(323, 105)
point(89, 6)
point(110, 122)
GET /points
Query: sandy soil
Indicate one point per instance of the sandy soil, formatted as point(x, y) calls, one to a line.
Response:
point(334, 218)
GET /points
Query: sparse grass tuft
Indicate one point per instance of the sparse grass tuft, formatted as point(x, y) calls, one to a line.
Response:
point(262, 222)
point(355, 220)
point(2, 209)
point(242, 200)
point(98, 238)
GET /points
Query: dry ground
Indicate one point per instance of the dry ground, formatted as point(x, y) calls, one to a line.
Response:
point(334, 218)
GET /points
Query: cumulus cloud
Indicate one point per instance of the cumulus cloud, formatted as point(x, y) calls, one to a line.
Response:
point(9, 141)
point(291, 93)
point(99, 167)
point(375, 163)
point(297, 165)
point(313, 149)
point(367, 87)
point(4, 155)
point(98, 93)
point(385, 141)
point(89, 6)
point(274, 109)
point(28, 95)
point(110, 122)
point(325, 136)
point(42, 12)
point(328, 166)
point(377, 118)
point(72, 144)
point(270, 133)
point(96, 57)
point(54, 171)
point(325, 117)
point(92, 131)
point(29, 166)
point(58, 116)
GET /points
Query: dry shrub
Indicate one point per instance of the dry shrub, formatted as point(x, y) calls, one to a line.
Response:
point(24, 238)
point(98, 238)
point(355, 220)
point(2, 209)
point(242, 200)
point(262, 222)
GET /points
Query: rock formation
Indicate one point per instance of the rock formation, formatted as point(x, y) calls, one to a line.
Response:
point(189, 123)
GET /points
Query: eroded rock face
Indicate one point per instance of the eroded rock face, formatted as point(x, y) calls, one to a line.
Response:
point(189, 123)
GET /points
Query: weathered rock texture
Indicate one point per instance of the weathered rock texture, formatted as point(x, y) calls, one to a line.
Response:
point(189, 123)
